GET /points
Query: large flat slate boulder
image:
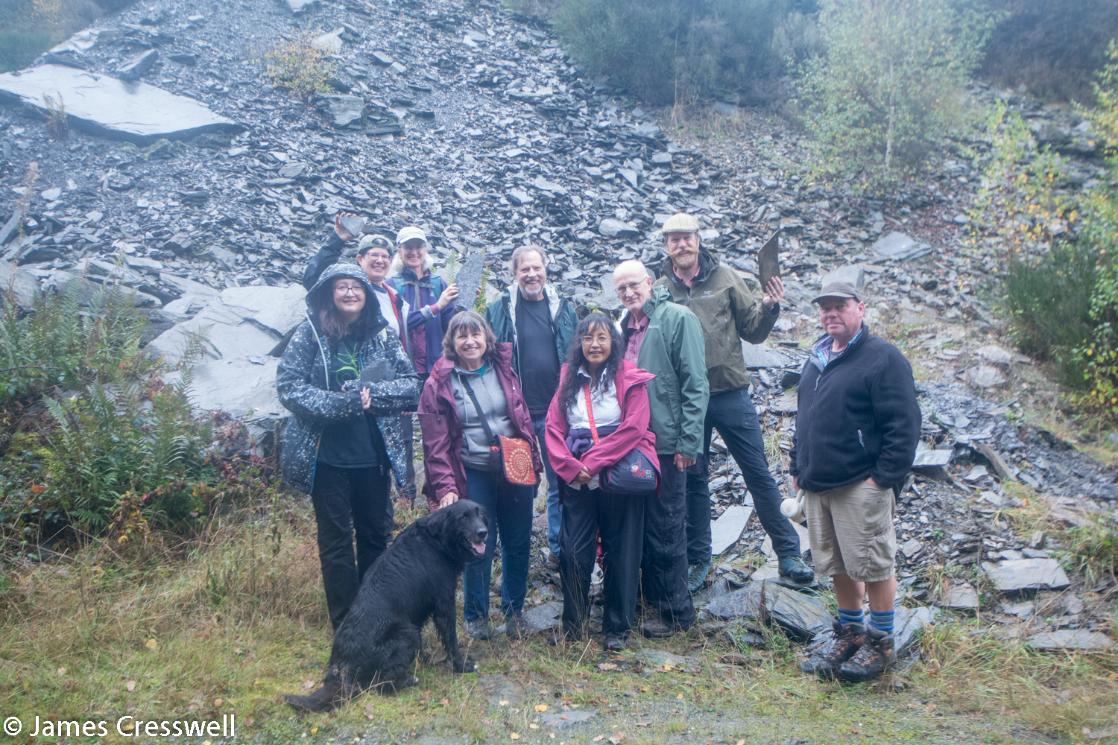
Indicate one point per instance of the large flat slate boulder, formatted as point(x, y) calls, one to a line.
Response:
point(1026, 575)
point(241, 322)
point(245, 389)
point(135, 111)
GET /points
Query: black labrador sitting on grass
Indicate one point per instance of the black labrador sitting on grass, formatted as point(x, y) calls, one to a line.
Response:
point(413, 580)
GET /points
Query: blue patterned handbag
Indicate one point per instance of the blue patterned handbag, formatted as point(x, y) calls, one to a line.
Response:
point(634, 474)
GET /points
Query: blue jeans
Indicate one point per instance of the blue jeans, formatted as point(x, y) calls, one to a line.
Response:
point(554, 503)
point(509, 511)
point(733, 415)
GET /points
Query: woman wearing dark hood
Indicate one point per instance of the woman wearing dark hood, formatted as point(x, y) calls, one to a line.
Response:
point(346, 379)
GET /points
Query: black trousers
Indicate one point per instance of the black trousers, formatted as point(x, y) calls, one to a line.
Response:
point(733, 415)
point(664, 559)
point(348, 501)
point(620, 521)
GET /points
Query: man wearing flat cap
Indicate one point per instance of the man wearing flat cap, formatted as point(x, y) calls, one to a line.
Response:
point(729, 312)
point(856, 432)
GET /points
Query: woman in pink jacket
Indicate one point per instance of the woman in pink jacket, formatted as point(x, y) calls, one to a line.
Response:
point(598, 418)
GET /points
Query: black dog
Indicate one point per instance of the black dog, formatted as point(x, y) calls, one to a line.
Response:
point(413, 580)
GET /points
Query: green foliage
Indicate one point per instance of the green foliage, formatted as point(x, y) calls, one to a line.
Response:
point(64, 342)
point(1100, 353)
point(111, 453)
point(1051, 48)
point(1061, 280)
point(299, 67)
point(1048, 277)
point(888, 88)
point(1049, 299)
point(1091, 549)
point(677, 51)
point(93, 442)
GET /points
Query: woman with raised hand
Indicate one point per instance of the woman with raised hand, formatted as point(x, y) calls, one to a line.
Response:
point(479, 444)
point(346, 378)
point(599, 420)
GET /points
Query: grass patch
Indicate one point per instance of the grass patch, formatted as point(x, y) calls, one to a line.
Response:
point(1064, 695)
point(230, 624)
point(1086, 543)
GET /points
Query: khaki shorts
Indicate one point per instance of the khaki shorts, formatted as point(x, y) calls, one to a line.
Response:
point(851, 531)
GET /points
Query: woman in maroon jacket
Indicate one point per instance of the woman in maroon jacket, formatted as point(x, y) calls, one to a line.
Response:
point(473, 392)
point(598, 416)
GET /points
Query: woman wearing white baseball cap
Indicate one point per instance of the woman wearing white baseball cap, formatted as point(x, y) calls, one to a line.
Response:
point(431, 300)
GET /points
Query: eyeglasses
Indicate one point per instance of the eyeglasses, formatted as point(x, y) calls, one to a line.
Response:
point(348, 289)
point(600, 339)
point(629, 287)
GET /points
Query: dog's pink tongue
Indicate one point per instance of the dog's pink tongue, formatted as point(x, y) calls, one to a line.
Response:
point(479, 548)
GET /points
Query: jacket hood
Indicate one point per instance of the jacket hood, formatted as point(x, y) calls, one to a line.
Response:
point(659, 296)
point(321, 293)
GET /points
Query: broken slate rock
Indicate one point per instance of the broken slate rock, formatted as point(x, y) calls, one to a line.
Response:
point(995, 355)
point(727, 529)
point(138, 112)
point(985, 376)
point(330, 42)
point(299, 6)
point(1078, 640)
point(908, 626)
point(798, 614)
point(343, 110)
point(962, 597)
point(543, 617)
point(567, 717)
point(759, 356)
point(138, 66)
point(900, 247)
point(241, 322)
point(612, 228)
point(1026, 575)
point(242, 387)
point(927, 458)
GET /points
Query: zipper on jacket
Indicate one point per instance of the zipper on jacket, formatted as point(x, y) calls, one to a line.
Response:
point(861, 440)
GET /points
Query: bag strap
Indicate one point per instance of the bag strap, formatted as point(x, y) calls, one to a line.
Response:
point(477, 407)
point(590, 413)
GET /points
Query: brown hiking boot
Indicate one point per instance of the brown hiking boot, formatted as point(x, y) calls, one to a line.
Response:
point(875, 656)
point(844, 644)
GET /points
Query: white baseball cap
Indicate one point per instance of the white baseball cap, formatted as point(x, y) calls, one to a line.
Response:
point(410, 232)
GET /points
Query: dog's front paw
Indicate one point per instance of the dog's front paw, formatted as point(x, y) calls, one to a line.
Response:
point(464, 665)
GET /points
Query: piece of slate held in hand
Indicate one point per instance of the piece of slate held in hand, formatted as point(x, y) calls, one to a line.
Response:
point(377, 371)
point(768, 259)
point(469, 279)
point(353, 224)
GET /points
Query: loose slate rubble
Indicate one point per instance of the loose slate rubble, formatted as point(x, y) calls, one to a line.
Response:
point(137, 112)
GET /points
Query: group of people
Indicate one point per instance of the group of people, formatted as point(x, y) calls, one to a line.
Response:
point(617, 416)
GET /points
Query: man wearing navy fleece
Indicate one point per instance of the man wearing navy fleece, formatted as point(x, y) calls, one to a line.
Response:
point(856, 434)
